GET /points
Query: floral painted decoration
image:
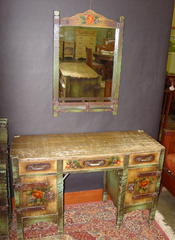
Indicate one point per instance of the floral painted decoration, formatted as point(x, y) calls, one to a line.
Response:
point(144, 184)
point(40, 195)
point(73, 164)
point(114, 160)
point(141, 185)
point(89, 19)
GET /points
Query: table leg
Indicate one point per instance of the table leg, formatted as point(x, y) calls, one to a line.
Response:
point(105, 194)
point(60, 204)
point(60, 187)
point(153, 209)
point(122, 189)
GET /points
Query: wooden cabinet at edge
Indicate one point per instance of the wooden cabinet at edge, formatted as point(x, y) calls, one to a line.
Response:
point(4, 193)
point(37, 198)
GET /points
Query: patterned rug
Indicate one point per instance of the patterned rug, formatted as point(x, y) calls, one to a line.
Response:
point(96, 221)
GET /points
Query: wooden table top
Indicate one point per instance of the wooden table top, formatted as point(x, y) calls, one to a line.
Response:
point(82, 145)
point(77, 70)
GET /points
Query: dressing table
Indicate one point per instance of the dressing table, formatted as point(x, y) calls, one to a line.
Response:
point(131, 161)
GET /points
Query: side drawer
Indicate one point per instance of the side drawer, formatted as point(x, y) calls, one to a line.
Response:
point(144, 158)
point(98, 163)
point(36, 195)
point(142, 185)
point(28, 167)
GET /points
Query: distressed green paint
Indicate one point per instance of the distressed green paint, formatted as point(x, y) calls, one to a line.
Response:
point(4, 182)
point(60, 196)
point(105, 193)
point(140, 166)
point(16, 179)
point(155, 200)
point(139, 206)
point(117, 65)
point(55, 83)
point(122, 189)
point(111, 183)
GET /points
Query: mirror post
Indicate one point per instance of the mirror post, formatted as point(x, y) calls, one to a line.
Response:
point(117, 63)
point(55, 82)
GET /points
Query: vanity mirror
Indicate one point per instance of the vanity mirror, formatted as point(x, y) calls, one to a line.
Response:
point(87, 63)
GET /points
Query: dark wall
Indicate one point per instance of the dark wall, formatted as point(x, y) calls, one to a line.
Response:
point(26, 51)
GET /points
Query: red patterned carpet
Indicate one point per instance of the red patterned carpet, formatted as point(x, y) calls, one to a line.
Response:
point(90, 221)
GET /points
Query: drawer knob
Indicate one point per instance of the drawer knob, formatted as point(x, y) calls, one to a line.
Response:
point(38, 167)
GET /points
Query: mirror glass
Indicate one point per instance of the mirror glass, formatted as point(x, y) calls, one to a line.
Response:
point(87, 62)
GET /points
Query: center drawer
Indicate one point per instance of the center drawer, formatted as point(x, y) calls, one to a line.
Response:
point(95, 163)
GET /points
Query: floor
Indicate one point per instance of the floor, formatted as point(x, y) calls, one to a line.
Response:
point(166, 207)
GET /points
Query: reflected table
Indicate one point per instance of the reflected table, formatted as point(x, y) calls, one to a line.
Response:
point(77, 79)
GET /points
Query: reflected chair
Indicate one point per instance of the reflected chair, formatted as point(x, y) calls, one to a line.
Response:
point(107, 46)
point(98, 67)
point(168, 174)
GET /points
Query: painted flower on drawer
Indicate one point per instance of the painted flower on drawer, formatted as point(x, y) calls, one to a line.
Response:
point(141, 185)
point(144, 184)
point(40, 195)
point(37, 194)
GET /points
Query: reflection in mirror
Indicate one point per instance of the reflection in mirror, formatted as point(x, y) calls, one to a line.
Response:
point(87, 60)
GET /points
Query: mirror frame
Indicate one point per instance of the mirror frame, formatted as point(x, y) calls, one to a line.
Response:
point(90, 19)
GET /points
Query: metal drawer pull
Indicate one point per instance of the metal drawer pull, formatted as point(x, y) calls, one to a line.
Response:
point(33, 208)
point(147, 174)
point(95, 163)
point(27, 186)
point(146, 158)
point(145, 195)
point(38, 167)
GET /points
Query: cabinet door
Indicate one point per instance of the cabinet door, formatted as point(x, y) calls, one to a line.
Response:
point(4, 210)
point(142, 185)
point(3, 222)
point(36, 195)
